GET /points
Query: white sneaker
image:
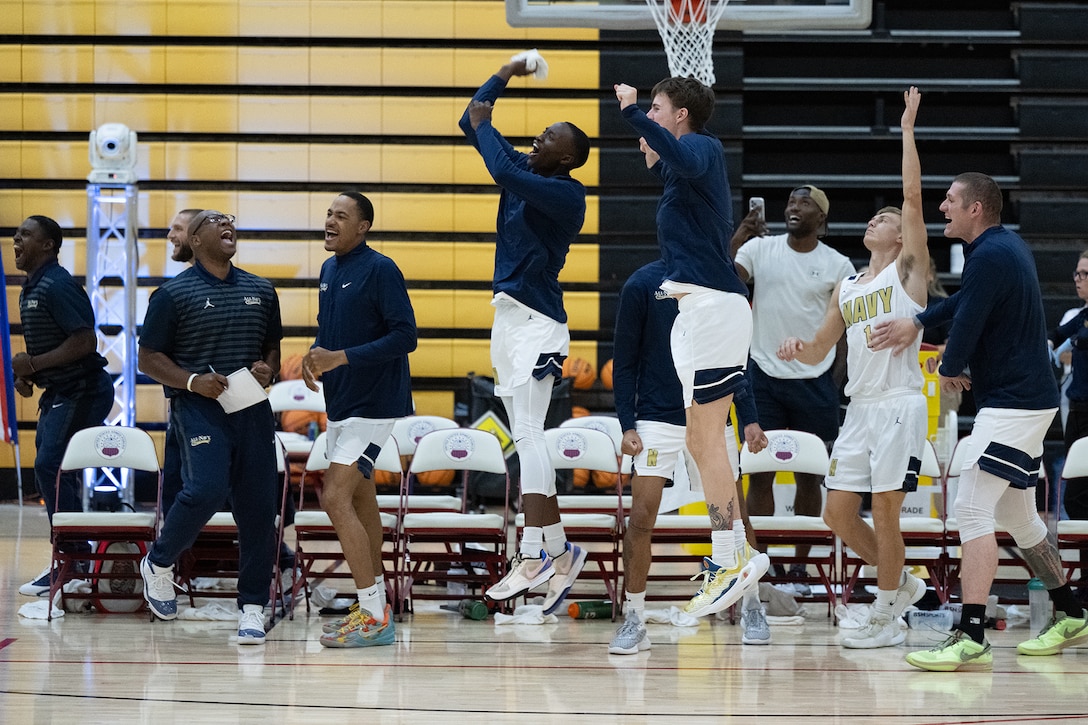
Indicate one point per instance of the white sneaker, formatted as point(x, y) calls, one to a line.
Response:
point(880, 631)
point(909, 592)
point(524, 575)
point(251, 624)
point(568, 566)
point(631, 637)
point(39, 585)
point(756, 631)
point(159, 589)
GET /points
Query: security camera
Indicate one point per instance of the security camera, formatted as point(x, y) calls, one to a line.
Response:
point(113, 155)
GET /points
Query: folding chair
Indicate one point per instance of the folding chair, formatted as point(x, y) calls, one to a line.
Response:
point(1073, 535)
point(290, 395)
point(408, 430)
point(314, 527)
point(214, 554)
point(795, 452)
point(1010, 559)
point(923, 537)
point(435, 542)
point(589, 519)
point(115, 571)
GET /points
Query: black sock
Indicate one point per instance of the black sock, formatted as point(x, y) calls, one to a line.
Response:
point(1066, 602)
point(973, 621)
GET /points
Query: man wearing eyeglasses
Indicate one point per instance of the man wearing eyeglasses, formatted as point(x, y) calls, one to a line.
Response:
point(212, 320)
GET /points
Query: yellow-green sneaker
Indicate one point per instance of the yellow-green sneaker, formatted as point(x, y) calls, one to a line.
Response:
point(1062, 632)
point(958, 652)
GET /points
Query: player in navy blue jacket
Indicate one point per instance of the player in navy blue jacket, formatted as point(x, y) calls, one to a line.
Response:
point(713, 329)
point(541, 210)
point(365, 329)
point(998, 329)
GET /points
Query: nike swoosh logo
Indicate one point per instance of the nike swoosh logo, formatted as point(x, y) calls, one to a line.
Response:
point(345, 285)
point(57, 405)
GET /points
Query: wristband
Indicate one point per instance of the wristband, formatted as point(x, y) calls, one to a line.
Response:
point(189, 383)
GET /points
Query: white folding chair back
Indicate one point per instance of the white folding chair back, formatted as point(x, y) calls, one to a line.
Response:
point(1076, 461)
point(294, 395)
point(787, 450)
point(588, 448)
point(459, 449)
point(606, 424)
point(409, 430)
point(105, 446)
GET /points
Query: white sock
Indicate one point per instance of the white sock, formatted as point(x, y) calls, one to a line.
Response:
point(739, 537)
point(370, 599)
point(723, 549)
point(532, 541)
point(636, 603)
point(885, 598)
point(379, 581)
point(555, 540)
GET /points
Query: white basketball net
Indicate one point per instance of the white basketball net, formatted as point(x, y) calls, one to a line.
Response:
point(687, 30)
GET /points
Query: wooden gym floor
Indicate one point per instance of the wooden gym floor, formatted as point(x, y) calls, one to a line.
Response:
point(121, 668)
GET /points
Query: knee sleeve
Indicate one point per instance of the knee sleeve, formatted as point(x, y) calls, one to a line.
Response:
point(529, 407)
point(976, 501)
point(1016, 512)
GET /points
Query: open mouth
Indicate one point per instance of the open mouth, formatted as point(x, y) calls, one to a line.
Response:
point(331, 234)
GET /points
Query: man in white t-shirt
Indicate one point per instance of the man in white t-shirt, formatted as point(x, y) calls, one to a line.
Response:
point(795, 275)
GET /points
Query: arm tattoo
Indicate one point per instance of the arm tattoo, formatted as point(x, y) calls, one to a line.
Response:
point(1046, 563)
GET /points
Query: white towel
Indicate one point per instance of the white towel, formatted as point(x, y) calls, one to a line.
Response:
point(40, 609)
point(526, 614)
point(673, 615)
point(534, 62)
point(213, 611)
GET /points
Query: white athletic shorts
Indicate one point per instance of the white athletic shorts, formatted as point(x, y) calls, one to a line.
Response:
point(358, 441)
point(1008, 442)
point(880, 445)
point(662, 444)
point(525, 344)
point(710, 341)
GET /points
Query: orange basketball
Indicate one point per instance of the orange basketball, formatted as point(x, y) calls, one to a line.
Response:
point(298, 421)
point(435, 478)
point(606, 375)
point(386, 478)
point(581, 371)
point(291, 368)
point(581, 477)
point(577, 411)
point(604, 479)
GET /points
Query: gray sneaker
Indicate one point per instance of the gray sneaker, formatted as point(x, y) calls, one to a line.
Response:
point(631, 637)
point(756, 631)
point(908, 593)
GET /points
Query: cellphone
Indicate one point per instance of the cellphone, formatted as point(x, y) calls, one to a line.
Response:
point(756, 202)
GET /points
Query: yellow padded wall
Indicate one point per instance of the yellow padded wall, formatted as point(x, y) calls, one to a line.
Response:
point(131, 17)
point(58, 64)
point(279, 18)
point(345, 66)
point(129, 64)
point(59, 17)
point(273, 66)
point(214, 18)
point(201, 64)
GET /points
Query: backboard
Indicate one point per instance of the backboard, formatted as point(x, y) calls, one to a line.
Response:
point(739, 14)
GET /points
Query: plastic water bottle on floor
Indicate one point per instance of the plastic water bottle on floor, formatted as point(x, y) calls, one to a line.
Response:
point(940, 619)
point(1038, 604)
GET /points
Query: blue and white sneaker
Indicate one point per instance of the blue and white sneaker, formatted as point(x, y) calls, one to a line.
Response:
point(568, 566)
point(159, 589)
point(39, 585)
point(251, 624)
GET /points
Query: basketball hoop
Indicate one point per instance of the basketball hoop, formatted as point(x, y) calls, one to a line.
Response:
point(687, 30)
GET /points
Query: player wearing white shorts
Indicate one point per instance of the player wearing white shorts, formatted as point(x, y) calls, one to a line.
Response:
point(879, 448)
point(541, 210)
point(365, 329)
point(649, 406)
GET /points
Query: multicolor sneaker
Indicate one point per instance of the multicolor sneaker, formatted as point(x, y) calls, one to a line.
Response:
point(958, 652)
point(756, 631)
point(251, 624)
point(159, 589)
point(879, 631)
point(524, 575)
point(338, 624)
point(1063, 631)
point(724, 587)
point(363, 630)
point(568, 566)
point(631, 637)
point(909, 592)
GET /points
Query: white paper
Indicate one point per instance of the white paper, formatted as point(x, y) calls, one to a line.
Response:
point(242, 391)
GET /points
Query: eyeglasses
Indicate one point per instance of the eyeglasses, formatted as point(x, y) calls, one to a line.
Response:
point(215, 219)
point(1079, 275)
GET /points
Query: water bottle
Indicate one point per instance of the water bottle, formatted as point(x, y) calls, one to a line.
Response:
point(1038, 604)
point(590, 610)
point(312, 430)
point(930, 619)
point(457, 587)
point(472, 609)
